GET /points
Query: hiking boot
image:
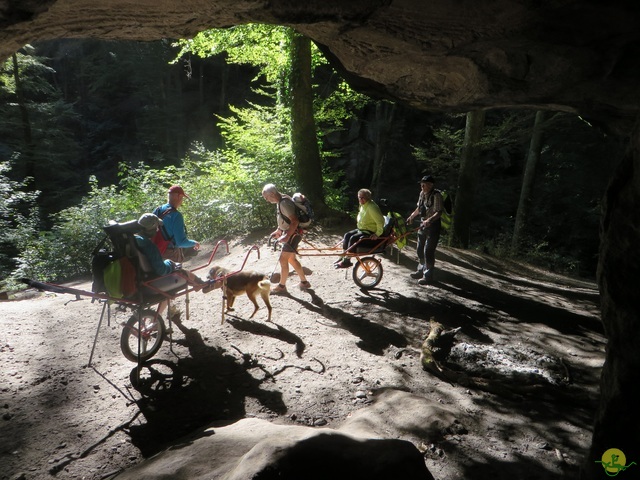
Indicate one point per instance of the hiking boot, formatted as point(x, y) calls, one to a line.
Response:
point(428, 277)
point(417, 274)
point(304, 285)
point(279, 289)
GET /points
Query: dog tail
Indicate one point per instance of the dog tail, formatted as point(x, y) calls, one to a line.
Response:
point(264, 284)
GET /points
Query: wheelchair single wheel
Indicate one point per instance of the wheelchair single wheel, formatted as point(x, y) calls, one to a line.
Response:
point(150, 332)
point(367, 272)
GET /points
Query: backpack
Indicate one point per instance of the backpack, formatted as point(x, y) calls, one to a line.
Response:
point(112, 269)
point(120, 278)
point(394, 224)
point(100, 259)
point(446, 217)
point(304, 211)
point(399, 229)
point(162, 238)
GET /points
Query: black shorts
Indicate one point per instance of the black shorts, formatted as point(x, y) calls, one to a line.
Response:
point(292, 244)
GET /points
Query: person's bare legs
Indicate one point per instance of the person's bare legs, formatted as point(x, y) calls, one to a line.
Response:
point(162, 306)
point(284, 273)
point(285, 259)
point(297, 266)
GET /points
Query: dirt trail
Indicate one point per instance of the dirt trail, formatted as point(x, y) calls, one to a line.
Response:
point(324, 356)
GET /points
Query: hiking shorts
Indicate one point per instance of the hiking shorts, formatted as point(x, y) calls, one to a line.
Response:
point(292, 244)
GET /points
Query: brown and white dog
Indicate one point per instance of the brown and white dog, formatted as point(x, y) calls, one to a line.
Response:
point(250, 282)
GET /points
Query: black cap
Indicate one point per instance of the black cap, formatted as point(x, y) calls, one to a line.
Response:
point(427, 178)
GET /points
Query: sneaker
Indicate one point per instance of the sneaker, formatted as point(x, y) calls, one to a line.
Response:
point(424, 281)
point(344, 263)
point(279, 289)
point(304, 285)
point(417, 274)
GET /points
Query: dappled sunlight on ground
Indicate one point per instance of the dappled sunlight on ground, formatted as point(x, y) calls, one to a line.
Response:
point(326, 354)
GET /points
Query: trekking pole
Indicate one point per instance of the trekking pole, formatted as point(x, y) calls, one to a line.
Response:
point(224, 297)
point(272, 277)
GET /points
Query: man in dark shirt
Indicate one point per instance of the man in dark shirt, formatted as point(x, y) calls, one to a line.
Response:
point(429, 208)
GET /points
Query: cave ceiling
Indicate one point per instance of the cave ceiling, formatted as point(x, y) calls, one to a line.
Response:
point(577, 56)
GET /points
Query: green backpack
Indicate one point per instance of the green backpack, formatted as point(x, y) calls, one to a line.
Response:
point(446, 217)
point(399, 229)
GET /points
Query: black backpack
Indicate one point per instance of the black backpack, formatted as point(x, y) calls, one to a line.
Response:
point(116, 248)
point(304, 211)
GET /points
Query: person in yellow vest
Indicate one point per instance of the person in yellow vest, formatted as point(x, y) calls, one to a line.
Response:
point(369, 225)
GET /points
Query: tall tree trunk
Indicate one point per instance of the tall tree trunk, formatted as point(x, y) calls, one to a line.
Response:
point(535, 148)
point(28, 162)
point(223, 107)
point(467, 179)
point(385, 113)
point(304, 142)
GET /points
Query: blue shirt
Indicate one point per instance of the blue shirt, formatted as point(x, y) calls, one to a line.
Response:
point(173, 223)
point(150, 250)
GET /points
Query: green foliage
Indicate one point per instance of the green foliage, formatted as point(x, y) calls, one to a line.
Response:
point(225, 196)
point(19, 219)
point(65, 250)
point(36, 129)
point(260, 134)
point(263, 46)
point(335, 105)
point(267, 47)
point(260, 45)
point(225, 185)
point(441, 156)
point(254, 44)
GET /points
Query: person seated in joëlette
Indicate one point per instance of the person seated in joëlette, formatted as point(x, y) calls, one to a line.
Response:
point(369, 225)
point(149, 225)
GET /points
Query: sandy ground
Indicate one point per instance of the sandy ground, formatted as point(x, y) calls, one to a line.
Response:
point(534, 338)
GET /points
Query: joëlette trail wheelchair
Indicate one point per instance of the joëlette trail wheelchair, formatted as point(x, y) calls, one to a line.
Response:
point(144, 332)
point(367, 270)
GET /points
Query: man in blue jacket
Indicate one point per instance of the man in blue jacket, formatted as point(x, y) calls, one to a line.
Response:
point(173, 240)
